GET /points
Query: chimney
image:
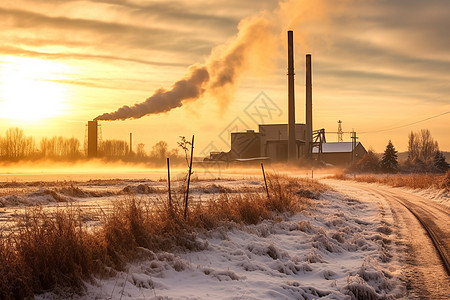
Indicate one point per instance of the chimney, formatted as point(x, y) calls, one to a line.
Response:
point(308, 137)
point(92, 138)
point(131, 142)
point(292, 153)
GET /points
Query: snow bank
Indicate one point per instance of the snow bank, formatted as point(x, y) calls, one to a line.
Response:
point(41, 196)
point(440, 196)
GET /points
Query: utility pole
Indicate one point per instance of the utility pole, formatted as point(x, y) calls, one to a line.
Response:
point(340, 133)
point(354, 137)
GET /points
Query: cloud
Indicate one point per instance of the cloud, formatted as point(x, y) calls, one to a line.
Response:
point(82, 56)
point(95, 34)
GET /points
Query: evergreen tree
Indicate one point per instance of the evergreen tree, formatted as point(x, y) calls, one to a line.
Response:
point(389, 161)
point(439, 162)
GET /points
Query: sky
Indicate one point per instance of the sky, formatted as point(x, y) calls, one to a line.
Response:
point(206, 68)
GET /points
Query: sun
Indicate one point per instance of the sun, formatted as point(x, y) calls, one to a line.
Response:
point(29, 88)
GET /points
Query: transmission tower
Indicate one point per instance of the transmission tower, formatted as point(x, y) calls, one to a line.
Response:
point(340, 133)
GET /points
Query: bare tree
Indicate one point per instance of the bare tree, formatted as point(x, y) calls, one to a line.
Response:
point(428, 146)
point(421, 146)
point(160, 150)
point(114, 148)
point(141, 150)
point(60, 147)
point(15, 145)
point(413, 146)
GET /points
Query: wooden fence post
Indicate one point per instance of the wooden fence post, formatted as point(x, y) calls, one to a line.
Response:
point(189, 180)
point(168, 181)
point(265, 181)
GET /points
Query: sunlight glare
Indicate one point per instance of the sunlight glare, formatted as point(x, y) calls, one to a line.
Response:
point(29, 89)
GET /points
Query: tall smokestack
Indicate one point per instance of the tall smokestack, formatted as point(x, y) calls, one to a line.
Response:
point(308, 107)
point(292, 153)
point(92, 138)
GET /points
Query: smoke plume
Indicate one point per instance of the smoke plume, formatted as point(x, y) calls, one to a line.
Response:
point(253, 47)
point(188, 88)
point(219, 73)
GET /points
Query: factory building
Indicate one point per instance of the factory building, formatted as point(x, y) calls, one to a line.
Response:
point(271, 142)
point(290, 142)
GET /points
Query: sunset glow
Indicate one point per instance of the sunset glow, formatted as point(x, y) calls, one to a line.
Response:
point(29, 91)
point(377, 66)
point(224, 149)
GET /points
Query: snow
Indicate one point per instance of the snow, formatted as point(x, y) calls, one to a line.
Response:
point(342, 247)
point(440, 196)
point(335, 147)
point(336, 250)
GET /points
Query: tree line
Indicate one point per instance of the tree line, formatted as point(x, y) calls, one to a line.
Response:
point(15, 146)
point(423, 156)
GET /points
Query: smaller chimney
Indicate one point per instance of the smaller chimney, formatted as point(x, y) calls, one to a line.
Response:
point(131, 142)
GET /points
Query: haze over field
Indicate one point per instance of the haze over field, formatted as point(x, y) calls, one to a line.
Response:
point(377, 66)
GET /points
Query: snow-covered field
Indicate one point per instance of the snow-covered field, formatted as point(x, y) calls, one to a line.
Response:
point(340, 248)
point(337, 248)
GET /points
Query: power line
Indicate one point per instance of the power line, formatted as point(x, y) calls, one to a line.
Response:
point(406, 125)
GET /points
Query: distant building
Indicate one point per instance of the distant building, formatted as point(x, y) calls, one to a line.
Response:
point(274, 141)
point(339, 154)
point(270, 143)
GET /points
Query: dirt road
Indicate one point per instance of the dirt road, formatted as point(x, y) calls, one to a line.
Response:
point(422, 227)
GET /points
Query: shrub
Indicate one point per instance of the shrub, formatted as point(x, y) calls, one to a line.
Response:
point(47, 250)
point(445, 181)
point(288, 194)
point(15, 276)
point(368, 163)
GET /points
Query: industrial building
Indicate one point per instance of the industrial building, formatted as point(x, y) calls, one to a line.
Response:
point(340, 153)
point(270, 142)
point(292, 142)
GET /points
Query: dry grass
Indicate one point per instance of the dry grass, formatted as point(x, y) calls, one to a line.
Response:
point(237, 208)
point(289, 194)
point(55, 250)
point(46, 251)
point(415, 181)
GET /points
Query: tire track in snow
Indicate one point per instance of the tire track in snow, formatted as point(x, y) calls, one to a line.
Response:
point(434, 219)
